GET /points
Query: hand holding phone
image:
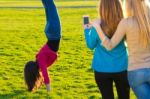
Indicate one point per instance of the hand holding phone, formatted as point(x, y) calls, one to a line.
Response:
point(86, 22)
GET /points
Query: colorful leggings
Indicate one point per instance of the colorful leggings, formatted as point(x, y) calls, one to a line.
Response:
point(52, 28)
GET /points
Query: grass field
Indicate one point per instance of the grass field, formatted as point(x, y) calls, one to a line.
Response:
point(21, 36)
point(39, 4)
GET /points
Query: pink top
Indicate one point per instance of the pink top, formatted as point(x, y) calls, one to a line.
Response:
point(45, 58)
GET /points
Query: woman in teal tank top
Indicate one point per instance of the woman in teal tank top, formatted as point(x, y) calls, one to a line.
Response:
point(109, 66)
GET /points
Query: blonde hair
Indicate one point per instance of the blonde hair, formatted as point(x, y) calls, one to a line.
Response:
point(110, 12)
point(141, 13)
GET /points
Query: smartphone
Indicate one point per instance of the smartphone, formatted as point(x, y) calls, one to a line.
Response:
point(86, 19)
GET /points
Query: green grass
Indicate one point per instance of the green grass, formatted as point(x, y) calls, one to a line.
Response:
point(38, 3)
point(54, 0)
point(21, 36)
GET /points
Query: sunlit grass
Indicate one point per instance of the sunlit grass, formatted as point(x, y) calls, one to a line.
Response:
point(39, 4)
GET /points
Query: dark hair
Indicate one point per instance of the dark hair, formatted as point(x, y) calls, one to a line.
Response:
point(31, 74)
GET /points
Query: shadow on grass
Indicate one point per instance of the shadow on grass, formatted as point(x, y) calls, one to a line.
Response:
point(22, 94)
point(93, 97)
point(14, 94)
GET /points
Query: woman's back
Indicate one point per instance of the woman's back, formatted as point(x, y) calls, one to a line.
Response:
point(136, 28)
point(103, 60)
point(138, 55)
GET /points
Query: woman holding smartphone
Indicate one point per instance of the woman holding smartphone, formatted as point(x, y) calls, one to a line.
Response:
point(108, 66)
point(136, 27)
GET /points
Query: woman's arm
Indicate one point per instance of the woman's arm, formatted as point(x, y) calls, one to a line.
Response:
point(43, 68)
point(90, 37)
point(109, 44)
point(48, 87)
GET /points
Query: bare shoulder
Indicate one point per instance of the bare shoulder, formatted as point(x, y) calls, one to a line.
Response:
point(124, 22)
point(127, 23)
point(127, 20)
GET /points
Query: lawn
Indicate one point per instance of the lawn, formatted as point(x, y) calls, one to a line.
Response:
point(21, 36)
point(39, 4)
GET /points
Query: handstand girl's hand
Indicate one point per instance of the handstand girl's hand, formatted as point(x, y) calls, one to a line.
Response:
point(48, 87)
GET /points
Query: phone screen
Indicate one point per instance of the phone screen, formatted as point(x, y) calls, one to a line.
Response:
point(86, 19)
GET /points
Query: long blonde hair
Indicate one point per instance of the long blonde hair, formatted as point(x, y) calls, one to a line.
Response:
point(141, 13)
point(110, 12)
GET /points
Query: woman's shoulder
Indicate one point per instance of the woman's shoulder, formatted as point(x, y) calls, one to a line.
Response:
point(126, 20)
point(126, 24)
